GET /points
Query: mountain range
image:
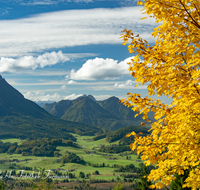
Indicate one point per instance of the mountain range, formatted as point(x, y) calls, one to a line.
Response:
point(109, 114)
point(22, 118)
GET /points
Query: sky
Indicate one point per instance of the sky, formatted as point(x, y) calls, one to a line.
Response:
point(52, 50)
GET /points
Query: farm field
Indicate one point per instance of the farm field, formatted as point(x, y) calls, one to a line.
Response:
point(88, 151)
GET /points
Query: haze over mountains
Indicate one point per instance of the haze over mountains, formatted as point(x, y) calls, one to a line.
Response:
point(109, 114)
point(22, 118)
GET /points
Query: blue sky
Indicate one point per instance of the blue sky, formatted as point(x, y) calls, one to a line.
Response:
point(61, 49)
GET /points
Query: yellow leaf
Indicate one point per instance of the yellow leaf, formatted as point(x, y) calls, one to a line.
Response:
point(144, 18)
point(139, 3)
point(169, 67)
point(159, 185)
point(130, 134)
point(136, 84)
point(142, 124)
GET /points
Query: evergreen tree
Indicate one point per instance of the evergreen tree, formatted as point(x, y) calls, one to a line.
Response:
point(179, 181)
point(143, 183)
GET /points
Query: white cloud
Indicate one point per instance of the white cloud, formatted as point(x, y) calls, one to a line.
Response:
point(129, 84)
point(30, 62)
point(50, 2)
point(99, 68)
point(63, 87)
point(62, 83)
point(37, 83)
point(80, 55)
point(46, 2)
point(40, 96)
point(71, 82)
point(102, 97)
point(72, 96)
point(126, 85)
point(71, 28)
point(46, 72)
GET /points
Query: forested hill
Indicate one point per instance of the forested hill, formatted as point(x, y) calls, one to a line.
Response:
point(23, 118)
point(109, 114)
point(120, 134)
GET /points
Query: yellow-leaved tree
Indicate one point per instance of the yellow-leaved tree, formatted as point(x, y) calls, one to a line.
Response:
point(171, 67)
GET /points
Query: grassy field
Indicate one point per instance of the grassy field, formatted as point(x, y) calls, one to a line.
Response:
point(12, 140)
point(86, 145)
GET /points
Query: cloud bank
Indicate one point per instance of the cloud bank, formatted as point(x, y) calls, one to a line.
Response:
point(71, 28)
point(129, 84)
point(51, 2)
point(30, 62)
point(72, 96)
point(41, 96)
point(99, 68)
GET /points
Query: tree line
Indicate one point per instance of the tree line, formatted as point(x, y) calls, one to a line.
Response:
point(40, 147)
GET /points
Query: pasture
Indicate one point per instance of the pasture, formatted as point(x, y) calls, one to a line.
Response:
point(88, 151)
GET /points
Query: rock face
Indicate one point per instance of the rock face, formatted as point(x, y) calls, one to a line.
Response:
point(91, 97)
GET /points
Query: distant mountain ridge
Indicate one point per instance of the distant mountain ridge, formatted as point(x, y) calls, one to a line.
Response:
point(42, 103)
point(22, 118)
point(109, 114)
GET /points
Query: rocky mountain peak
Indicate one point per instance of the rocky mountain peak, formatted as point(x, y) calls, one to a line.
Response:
point(92, 97)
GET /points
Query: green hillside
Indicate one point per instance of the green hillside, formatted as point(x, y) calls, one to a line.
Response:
point(109, 114)
point(121, 133)
point(113, 105)
point(87, 111)
point(12, 102)
point(22, 118)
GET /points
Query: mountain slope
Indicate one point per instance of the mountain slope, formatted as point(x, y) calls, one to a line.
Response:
point(42, 103)
point(88, 111)
point(109, 114)
point(60, 108)
point(125, 114)
point(23, 118)
point(121, 133)
point(113, 105)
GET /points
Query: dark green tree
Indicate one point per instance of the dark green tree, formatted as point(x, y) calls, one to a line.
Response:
point(2, 186)
point(81, 174)
point(143, 183)
point(96, 172)
point(179, 181)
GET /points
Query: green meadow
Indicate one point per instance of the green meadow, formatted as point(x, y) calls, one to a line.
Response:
point(86, 144)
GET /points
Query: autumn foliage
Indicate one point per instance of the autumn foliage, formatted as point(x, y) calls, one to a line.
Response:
point(171, 67)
